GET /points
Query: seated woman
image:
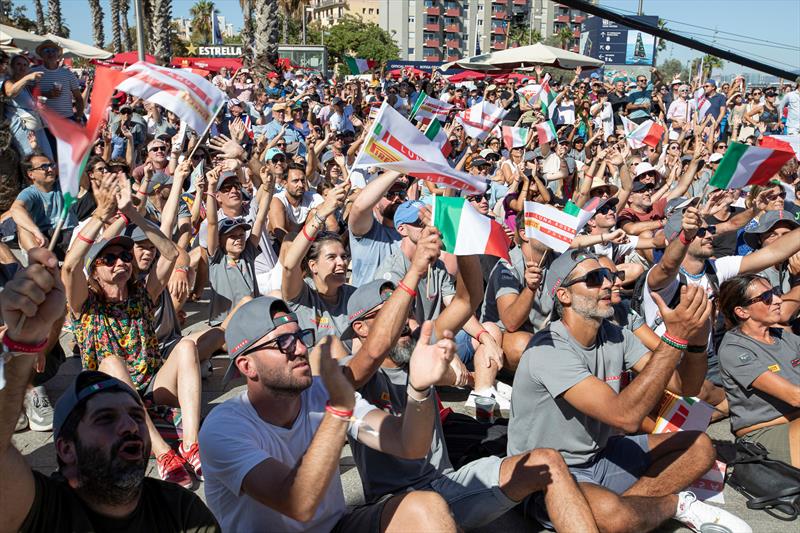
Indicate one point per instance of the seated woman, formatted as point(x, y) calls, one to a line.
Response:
point(760, 370)
point(113, 313)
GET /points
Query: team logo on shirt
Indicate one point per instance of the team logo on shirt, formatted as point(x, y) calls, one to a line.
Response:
point(774, 368)
point(795, 362)
point(745, 357)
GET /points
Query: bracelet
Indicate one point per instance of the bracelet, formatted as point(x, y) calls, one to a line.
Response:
point(481, 332)
point(669, 342)
point(308, 237)
point(675, 339)
point(683, 239)
point(338, 413)
point(85, 239)
point(121, 215)
point(416, 389)
point(411, 392)
point(697, 348)
point(319, 218)
point(411, 292)
point(15, 346)
point(184, 270)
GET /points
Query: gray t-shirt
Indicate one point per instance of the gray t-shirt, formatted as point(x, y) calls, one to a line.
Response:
point(314, 313)
point(266, 258)
point(539, 315)
point(230, 281)
point(553, 363)
point(370, 250)
point(502, 281)
point(382, 473)
point(430, 298)
point(742, 359)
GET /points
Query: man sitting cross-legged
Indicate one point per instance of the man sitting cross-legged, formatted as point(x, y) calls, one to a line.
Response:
point(567, 396)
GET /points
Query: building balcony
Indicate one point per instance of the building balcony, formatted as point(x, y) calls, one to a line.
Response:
point(500, 15)
point(433, 11)
point(431, 27)
point(432, 58)
point(453, 12)
point(432, 43)
point(453, 57)
point(562, 18)
point(520, 2)
point(578, 19)
point(576, 34)
point(454, 43)
point(452, 28)
point(498, 45)
point(498, 30)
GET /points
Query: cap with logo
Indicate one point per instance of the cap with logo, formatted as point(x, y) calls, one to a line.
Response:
point(407, 212)
point(562, 267)
point(159, 179)
point(366, 298)
point(227, 225)
point(252, 322)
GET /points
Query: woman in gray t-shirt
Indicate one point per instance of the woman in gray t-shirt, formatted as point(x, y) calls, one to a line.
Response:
point(760, 363)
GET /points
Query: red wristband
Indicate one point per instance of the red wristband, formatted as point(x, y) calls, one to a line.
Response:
point(684, 240)
point(478, 336)
point(411, 292)
point(338, 412)
point(308, 237)
point(84, 238)
point(673, 338)
point(15, 346)
point(121, 215)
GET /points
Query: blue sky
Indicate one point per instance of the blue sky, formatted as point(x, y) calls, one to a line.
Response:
point(776, 21)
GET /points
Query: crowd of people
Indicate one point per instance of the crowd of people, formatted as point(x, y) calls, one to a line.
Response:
point(330, 293)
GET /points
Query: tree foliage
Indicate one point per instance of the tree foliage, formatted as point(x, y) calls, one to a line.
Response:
point(202, 13)
point(521, 35)
point(672, 67)
point(352, 36)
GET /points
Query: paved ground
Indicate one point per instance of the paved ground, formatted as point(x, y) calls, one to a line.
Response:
point(39, 451)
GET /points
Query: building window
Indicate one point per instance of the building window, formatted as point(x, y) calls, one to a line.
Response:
point(412, 20)
point(410, 51)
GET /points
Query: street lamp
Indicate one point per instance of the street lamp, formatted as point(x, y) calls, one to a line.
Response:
point(306, 9)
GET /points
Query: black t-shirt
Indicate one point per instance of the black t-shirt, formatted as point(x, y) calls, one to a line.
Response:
point(163, 507)
point(725, 243)
point(617, 105)
point(85, 206)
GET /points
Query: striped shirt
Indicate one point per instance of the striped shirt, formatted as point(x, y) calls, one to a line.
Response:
point(61, 104)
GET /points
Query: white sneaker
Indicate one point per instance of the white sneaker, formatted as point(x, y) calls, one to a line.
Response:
point(503, 390)
point(38, 409)
point(22, 422)
point(693, 514)
point(502, 402)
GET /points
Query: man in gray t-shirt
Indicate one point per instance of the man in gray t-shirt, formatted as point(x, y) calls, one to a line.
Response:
point(567, 396)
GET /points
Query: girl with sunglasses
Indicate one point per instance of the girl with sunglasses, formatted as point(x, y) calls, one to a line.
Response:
point(113, 315)
point(760, 370)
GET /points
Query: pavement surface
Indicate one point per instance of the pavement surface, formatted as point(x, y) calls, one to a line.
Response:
point(39, 450)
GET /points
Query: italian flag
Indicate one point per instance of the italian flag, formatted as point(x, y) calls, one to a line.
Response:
point(514, 137)
point(435, 133)
point(787, 143)
point(647, 133)
point(744, 165)
point(546, 131)
point(546, 98)
point(359, 66)
point(467, 232)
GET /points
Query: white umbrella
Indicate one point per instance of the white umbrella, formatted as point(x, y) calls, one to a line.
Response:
point(14, 39)
point(526, 56)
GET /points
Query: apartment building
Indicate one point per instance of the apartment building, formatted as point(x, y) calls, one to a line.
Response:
point(327, 12)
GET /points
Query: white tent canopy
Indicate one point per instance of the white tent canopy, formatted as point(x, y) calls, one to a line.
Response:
point(526, 56)
point(15, 40)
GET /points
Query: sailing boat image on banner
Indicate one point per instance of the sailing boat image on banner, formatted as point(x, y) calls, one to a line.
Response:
point(640, 48)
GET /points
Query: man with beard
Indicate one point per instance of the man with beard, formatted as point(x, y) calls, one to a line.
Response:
point(569, 378)
point(100, 435)
point(272, 452)
point(291, 207)
point(373, 236)
point(482, 490)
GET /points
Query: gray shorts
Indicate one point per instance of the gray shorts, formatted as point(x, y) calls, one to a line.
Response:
point(621, 463)
point(473, 492)
point(363, 518)
point(775, 439)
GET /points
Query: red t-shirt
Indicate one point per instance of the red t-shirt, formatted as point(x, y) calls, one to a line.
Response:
point(656, 213)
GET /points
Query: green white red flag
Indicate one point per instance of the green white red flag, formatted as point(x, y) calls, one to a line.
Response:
point(648, 133)
point(438, 136)
point(358, 65)
point(467, 232)
point(744, 165)
point(546, 131)
point(531, 93)
point(515, 137)
point(787, 143)
point(428, 108)
point(480, 119)
point(552, 227)
point(394, 143)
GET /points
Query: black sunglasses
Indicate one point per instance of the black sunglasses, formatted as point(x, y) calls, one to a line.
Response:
point(619, 274)
point(477, 197)
point(593, 279)
point(277, 159)
point(391, 195)
point(287, 343)
point(765, 297)
point(109, 259)
point(608, 208)
point(45, 167)
point(711, 230)
point(158, 149)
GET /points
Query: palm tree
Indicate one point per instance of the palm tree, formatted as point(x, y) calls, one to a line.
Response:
point(55, 23)
point(202, 13)
point(709, 64)
point(160, 16)
point(116, 38)
point(124, 7)
point(291, 9)
point(565, 36)
point(247, 27)
point(41, 28)
point(97, 22)
point(265, 46)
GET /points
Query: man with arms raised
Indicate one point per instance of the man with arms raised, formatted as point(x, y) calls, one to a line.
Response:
point(569, 379)
point(100, 435)
point(272, 456)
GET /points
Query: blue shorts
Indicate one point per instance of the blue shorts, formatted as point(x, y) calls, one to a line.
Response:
point(465, 350)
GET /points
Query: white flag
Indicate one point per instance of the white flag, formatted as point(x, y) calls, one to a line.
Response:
point(552, 227)
point(193, 98)
point(481, 119)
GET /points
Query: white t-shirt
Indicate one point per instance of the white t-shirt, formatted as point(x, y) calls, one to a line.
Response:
point(615, 252)
point(298, 215)
point(234, 440)
point(726, 267)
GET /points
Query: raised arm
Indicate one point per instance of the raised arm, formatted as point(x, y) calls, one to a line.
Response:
point(361, 216)
point(666, 270)
point(779, 251)
point(212, 219)
point(267, 189)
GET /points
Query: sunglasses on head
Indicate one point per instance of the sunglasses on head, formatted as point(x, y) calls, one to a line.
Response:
point(287, 343)
point(110, 259)
point(593, 279)
point(765, 297)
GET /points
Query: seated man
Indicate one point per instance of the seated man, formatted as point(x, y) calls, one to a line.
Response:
point(569, 379)
point(272, 452)
point(100, 435)
point(758, 360)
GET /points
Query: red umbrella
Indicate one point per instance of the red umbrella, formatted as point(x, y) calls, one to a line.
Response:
point(396, 73)
point(129, 58)
point(467, 75)
point(503, 78)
